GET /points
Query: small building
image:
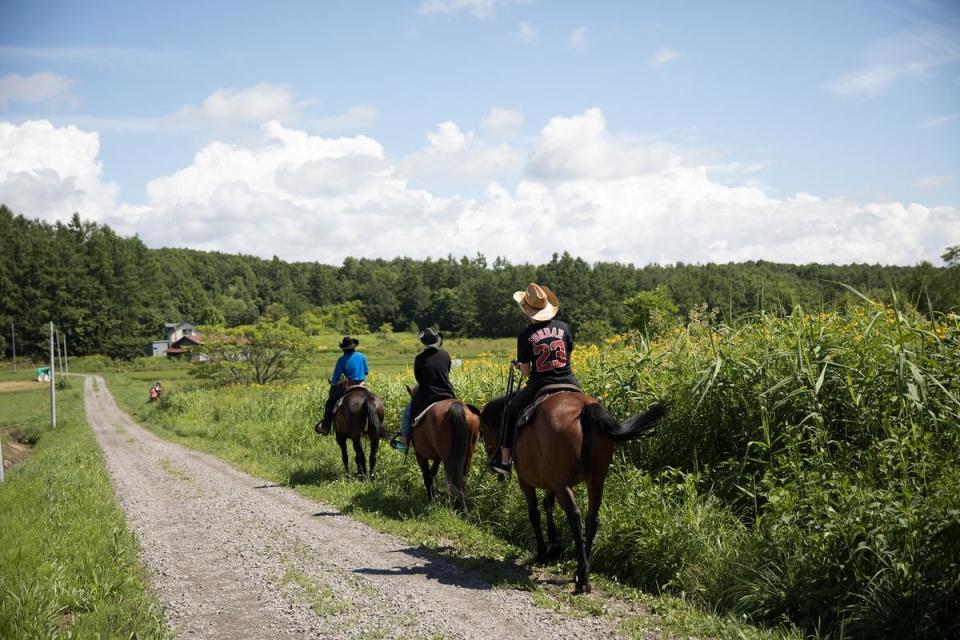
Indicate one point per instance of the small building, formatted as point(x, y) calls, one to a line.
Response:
point(182, 337)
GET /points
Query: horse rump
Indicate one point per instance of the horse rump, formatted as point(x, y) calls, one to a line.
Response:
point(373, 419)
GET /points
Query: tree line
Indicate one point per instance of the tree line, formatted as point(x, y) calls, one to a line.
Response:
point(111, 294)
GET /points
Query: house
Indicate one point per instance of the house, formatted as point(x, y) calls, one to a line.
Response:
point(181, 338)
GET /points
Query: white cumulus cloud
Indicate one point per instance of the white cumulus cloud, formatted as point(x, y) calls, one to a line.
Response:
point(43, 87)
point(256, 104)
point(527, 33)
point(582, 189)
point(502, 122)
point(51, 172)
point(663, 56)
point(933, 182)
point(477, 8)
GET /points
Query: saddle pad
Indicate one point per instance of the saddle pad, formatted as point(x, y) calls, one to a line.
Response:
point(548, 390)
point(420, 415)
point(349, 390)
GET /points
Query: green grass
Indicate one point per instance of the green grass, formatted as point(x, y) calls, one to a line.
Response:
point(266, 431)
point(69, 566)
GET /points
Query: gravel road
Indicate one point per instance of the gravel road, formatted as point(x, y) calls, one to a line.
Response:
point(232, 556)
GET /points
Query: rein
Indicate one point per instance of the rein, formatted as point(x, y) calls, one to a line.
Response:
point(513, 384)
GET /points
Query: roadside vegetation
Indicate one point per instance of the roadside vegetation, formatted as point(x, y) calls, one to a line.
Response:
point(69, 567)
point(807, 475)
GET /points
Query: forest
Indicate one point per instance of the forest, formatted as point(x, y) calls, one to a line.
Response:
point(111, 294)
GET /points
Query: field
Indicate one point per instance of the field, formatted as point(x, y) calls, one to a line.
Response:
point(69, 566)
point(807, 474)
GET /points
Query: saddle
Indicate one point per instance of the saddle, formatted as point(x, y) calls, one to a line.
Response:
point(417, 420)
point(545, 392)
point(348, 391)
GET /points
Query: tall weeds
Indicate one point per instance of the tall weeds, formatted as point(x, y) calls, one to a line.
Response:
point(808, 471)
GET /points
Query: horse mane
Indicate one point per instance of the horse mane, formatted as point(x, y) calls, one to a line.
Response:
point(493, 410)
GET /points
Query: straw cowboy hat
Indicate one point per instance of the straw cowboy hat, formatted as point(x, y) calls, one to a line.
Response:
point(537, 302)
point(348, 343)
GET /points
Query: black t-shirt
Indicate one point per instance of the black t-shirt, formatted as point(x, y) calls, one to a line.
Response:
point(547, 346)
point(431, 368)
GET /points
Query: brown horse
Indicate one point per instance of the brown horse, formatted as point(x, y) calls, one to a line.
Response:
point(448, 433)
point(360, 413)
point(570, 440)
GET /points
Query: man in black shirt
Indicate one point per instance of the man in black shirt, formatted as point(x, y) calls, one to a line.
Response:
point(431, 368)
point(544, 349)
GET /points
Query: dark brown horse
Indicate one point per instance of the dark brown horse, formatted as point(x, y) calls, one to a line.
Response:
point(360, 414)
point(570, 440)
point(448, 433)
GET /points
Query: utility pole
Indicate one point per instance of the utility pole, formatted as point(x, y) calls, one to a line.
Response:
point(13, 334)
point(53, 392)
point(59, 355)
point(66, 360)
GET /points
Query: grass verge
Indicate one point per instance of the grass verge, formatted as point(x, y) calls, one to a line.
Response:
point(69, 567)
point(402, 511)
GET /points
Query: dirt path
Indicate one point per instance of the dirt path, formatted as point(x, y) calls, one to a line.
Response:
point(236, 557)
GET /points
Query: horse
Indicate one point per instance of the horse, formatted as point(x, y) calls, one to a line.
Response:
point(568, 441)
point(448, 432)
point(360, 413)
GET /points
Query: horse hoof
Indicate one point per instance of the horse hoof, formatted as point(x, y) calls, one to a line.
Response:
point(580, 589)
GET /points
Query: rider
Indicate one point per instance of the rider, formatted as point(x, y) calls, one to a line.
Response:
point(353, 365)
point(543, 356)
point(431, 368)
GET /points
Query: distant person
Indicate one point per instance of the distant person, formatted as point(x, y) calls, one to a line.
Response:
point(353, 366)
point(431, 368)
point(543, 356)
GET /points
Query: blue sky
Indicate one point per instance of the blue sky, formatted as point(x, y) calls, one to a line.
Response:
point(855, 103)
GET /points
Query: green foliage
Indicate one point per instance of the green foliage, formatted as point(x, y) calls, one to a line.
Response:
point(594, 331)
point(807, 471)
point(269, 351)
point(107, 292)
point(652, 312)
point(69, 567)
point(952, 256)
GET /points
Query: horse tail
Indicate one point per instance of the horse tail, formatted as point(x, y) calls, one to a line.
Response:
point(373, 420)
point(594, 417)
point(455, 464)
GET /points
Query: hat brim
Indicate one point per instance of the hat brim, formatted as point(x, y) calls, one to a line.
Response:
point(349, 345)
point(547, 313)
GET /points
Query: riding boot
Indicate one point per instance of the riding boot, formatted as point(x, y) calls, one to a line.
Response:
point(323, 427)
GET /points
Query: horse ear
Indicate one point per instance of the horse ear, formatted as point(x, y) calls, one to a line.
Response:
point(409, 390)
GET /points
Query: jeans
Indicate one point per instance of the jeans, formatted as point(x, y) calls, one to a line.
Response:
point(405, 420)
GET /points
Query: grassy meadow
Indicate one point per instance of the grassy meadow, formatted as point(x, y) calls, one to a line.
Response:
point(69, 567)
point(806, 477)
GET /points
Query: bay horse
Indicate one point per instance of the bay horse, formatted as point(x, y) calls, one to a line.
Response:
point(360, 414)
point(569, 440)
point(448, 432)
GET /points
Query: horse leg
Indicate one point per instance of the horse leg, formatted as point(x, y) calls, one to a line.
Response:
point(595, 497)
point(361, 458)
point(554, 549)
point(342, 441)
point(582, 583)
point(533, 511)
point(374, 446)
point(427, 476)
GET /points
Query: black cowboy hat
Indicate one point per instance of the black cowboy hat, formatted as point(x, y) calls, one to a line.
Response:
point(348, 343)
point(430, 337)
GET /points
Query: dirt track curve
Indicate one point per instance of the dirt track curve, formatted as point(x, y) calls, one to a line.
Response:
point(232, 556)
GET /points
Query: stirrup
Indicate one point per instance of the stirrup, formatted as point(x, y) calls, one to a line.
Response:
point(499, 467)
point(399, 446)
